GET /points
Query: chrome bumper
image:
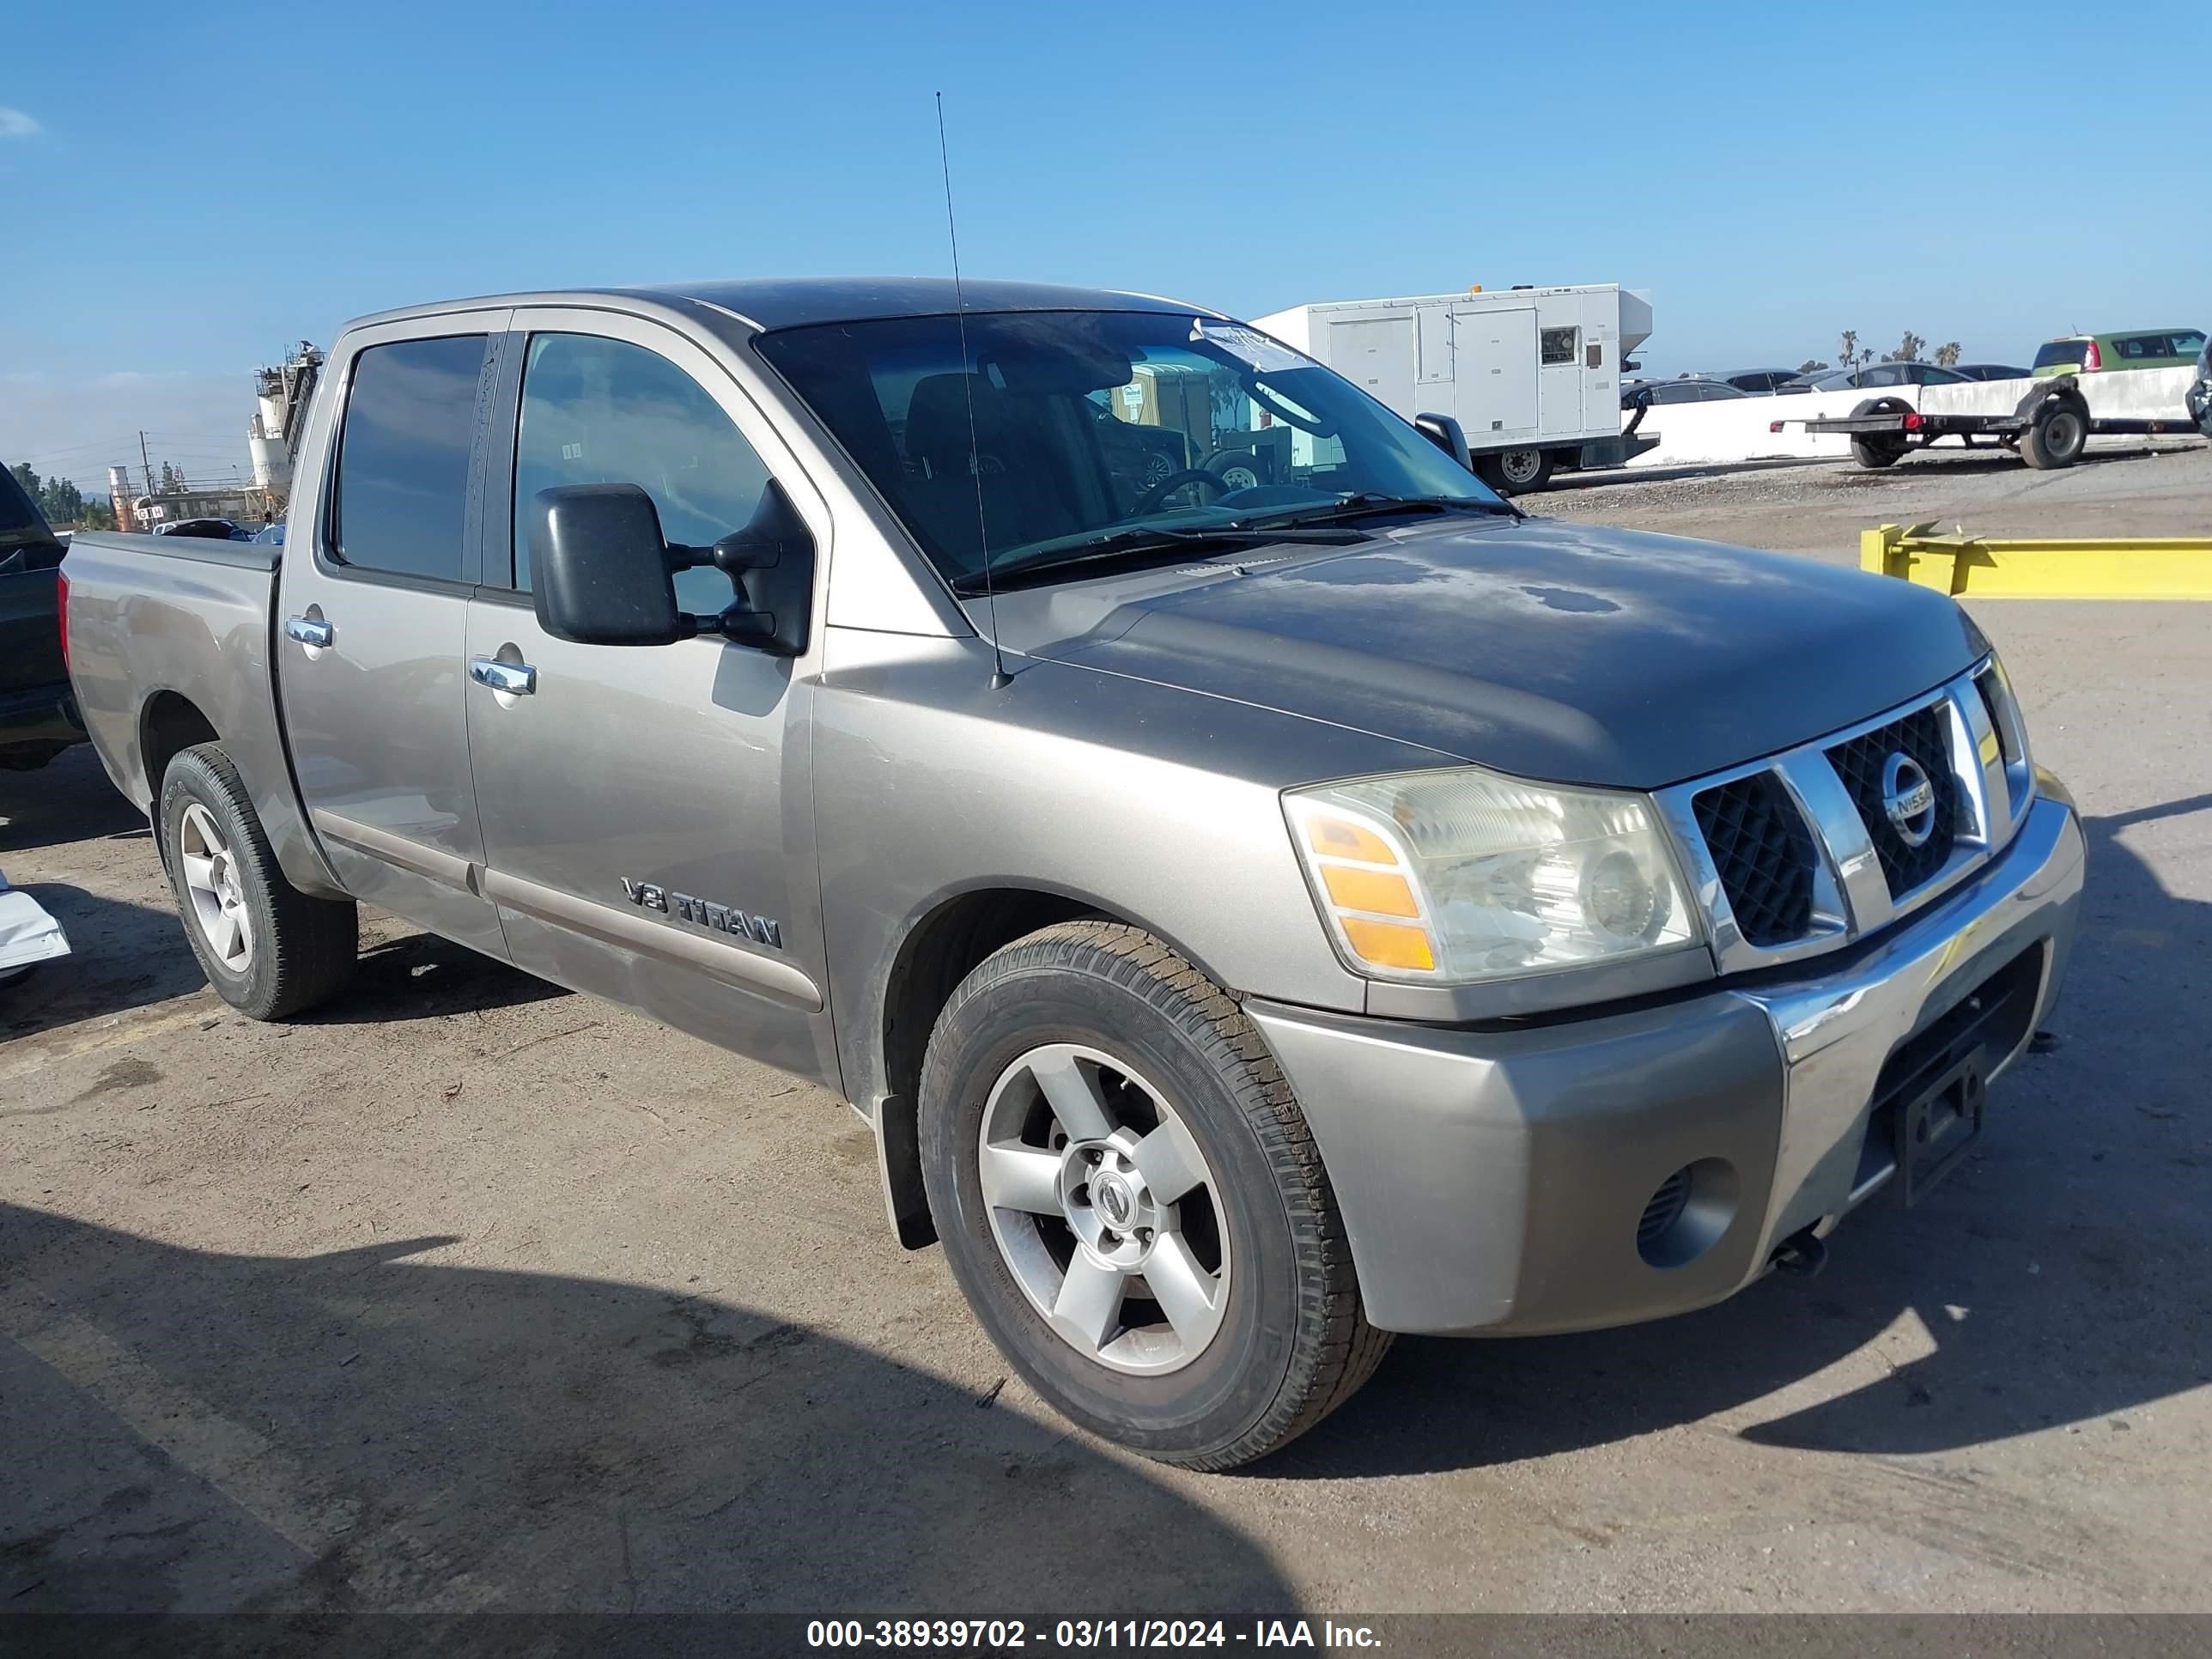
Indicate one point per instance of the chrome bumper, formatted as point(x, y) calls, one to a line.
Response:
point(1493, 1181)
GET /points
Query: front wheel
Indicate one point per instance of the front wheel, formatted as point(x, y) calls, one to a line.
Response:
point(269, 949)
point(1132, 1203)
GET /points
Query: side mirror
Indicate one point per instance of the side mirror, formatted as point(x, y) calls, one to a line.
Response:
point(601, 573)
point(599, 569)
point(1444, 432)
point(771, 562)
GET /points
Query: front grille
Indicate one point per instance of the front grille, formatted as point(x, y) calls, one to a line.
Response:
point(1763, 855)
point(1860, 762)
point(1992, 692)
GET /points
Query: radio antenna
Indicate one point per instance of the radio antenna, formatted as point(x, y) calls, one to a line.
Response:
point(1000, 678)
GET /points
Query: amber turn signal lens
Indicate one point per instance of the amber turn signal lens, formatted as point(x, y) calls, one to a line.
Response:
point(1389, 943)
point(1338, 838)
point(1382, 891)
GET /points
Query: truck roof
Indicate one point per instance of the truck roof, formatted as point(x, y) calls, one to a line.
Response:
point(769, 303)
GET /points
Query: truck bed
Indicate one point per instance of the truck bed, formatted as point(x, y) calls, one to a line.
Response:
point(169, 634)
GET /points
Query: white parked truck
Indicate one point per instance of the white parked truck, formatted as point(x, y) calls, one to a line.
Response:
point(1532, 374)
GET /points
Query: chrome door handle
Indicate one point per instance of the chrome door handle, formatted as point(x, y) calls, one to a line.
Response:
point(517, 679)
point(307, 631)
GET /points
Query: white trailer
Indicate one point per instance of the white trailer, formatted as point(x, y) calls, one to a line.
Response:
point(1532, 374)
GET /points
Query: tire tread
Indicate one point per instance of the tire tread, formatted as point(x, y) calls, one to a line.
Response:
point(314, 944)
point(1334, 1350)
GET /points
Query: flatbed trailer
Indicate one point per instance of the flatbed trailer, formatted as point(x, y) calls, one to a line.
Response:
point(2049, 425)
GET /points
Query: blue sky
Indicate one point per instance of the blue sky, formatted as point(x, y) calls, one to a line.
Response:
point(208, 184)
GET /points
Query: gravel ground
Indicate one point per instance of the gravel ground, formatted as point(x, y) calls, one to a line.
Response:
point(469, 1293)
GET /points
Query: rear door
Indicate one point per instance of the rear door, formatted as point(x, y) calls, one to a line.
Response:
point(371, 629)
point(1375, 354)
point(647, 810)
point(1496, 354)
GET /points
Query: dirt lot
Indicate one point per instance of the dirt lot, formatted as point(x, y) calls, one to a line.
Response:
point(469, 1293)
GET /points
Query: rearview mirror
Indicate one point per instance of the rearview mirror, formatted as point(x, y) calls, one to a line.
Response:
point(1444, 432)
point(599, 569)
point(603, 574)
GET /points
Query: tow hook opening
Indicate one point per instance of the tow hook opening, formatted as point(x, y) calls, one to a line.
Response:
point(1802, 1255)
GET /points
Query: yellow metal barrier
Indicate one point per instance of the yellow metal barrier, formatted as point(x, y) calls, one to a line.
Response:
point(2144, 567)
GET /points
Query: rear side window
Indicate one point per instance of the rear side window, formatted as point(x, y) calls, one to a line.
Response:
point(2062, 351)
point(596, 410)
point(403, 477)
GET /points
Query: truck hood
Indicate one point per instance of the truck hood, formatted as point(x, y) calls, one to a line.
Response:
point(1542, 648)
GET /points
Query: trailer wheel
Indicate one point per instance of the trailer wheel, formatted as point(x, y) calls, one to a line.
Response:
point(1515, 471)
point(2057, 435)
point(1876, 450)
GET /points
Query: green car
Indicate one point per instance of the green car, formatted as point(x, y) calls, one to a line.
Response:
point(2086, 354)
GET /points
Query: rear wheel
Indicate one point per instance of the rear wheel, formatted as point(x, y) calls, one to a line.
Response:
point(28, 756)
point(1877, 452)
point(269, 949)
point(1131, 1202)
point(2057, 435)
point(1515, 471)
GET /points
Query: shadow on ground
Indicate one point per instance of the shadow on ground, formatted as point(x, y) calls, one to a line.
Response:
point(422, 976)
point(2062, 1276)
point(122, 956)
point(367, 1429)
point(69, 799)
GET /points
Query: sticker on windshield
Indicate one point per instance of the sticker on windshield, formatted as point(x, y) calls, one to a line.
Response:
point(1254, 346)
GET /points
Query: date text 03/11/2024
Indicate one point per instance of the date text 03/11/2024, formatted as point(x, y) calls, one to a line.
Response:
point(1005, 1635)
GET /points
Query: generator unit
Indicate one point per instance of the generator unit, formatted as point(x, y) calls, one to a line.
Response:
point(1532, 374)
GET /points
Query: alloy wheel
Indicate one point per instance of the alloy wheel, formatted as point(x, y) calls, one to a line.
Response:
point(211, 882)
point(1104, 1209)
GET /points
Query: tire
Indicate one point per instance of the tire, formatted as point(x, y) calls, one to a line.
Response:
point(2057, 435)
point(30, 756)
point(1148, 1039)
point(270, 950)
point(1515, 471)
point(1876, 452)
point(1239, 472)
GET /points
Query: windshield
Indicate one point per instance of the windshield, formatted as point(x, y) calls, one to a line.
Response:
point(2075, 352)
point(1089, 425)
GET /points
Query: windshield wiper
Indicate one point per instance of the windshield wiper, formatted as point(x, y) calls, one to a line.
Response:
point(1142, 541)
point(1370, 503)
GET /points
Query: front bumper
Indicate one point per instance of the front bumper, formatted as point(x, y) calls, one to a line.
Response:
point(1493, 1181)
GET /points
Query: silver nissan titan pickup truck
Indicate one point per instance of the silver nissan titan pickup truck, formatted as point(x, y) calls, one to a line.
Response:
point(1264, 892)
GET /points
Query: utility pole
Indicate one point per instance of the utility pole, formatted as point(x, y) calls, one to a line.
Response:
point(145, 461)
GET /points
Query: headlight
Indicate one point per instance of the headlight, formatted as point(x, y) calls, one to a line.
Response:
point(1460, 875)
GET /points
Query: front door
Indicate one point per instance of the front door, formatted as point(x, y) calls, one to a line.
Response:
point(647, 809)
point(372, 628)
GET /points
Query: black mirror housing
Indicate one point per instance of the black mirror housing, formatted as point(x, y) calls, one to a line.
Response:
point(771, 562)
point(603, 574)
point(599, 570)
point(1444, 432)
